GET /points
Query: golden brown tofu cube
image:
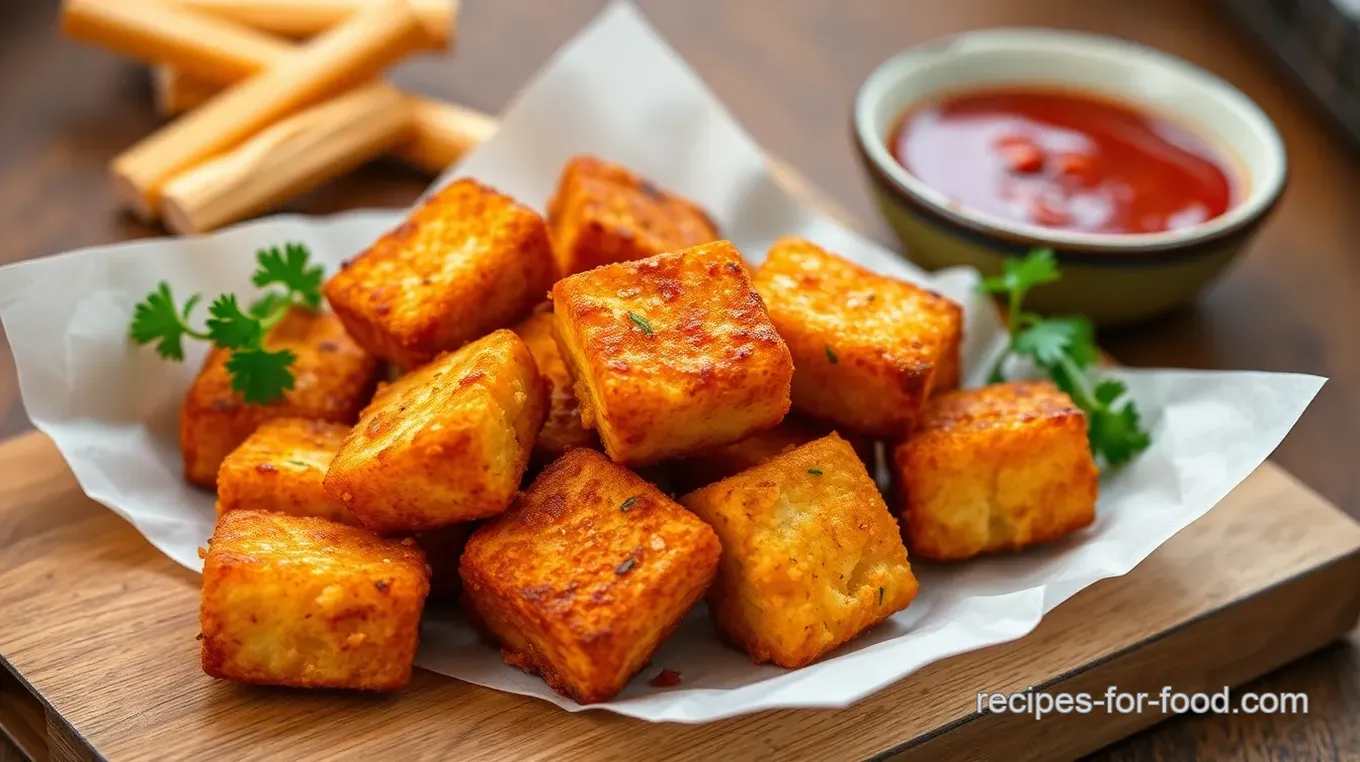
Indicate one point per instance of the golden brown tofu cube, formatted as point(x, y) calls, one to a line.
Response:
point(672, 355)
point(445, 443)
point(603, 213)
point(811, 556)
point(730, 459)
point(562, 429)
point(466, 262)
point(992, 469)
point(586, 574)
point(443, 548)
point(333, 380)
point(305, 602)
point(869, 349)
point(280, 468)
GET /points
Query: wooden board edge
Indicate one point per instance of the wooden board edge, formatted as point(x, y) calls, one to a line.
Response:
point(1295, 616)
point(23, 717)
point(34, 727)
point(64, 744)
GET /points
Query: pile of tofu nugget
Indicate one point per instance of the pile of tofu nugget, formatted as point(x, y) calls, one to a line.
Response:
point(577, 473)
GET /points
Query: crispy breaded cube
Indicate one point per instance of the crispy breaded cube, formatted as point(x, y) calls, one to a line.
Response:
point(811, 556)
point(562, 429)
point(280, 468)
point(306, 602)
point(869, 349)
point(602, 213)
point(466, 262)
point(672, 355)
point(443, 547)
point(333, 380)
point(730, 459)
point(997, 468)
point(445, 443)
point(586, 574)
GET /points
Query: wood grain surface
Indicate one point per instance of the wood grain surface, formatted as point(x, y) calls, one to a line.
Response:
point(788, 69)
point(103, 627)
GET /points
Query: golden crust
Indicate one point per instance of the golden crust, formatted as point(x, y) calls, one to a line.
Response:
point(869, 349)
point(731, 459)
point(280, 467)
point(334, 379)
point(305, 602)
point(445, 443)
point(466, 262)
point(586, 574)
point(602, 213)
point(562, 429)
point(671, 355)
point(811, 556)
point(993, 469)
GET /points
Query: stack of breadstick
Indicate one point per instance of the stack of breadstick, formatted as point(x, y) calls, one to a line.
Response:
point(271, 98)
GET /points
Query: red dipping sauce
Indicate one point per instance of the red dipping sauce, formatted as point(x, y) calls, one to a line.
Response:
point(1064, 160)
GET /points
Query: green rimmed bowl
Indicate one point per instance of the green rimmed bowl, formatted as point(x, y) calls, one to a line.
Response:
point(1113, 279)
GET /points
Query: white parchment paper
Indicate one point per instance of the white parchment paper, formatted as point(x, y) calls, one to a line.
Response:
point(619, 91)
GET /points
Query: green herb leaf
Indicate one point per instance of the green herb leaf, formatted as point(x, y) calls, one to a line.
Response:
point(302, 463)
point(290, 269)
point(1020, 275)
point(1108, 390)
point(628, 504)
point(1049, 341)
point(268, 305)
point(641, 323)
point(815, 471)
point(624, 567)
point(259, 375)
point(831, 355)
point(1065, 348)
point(230, 328)
point(156, 319)
point(1117, 435)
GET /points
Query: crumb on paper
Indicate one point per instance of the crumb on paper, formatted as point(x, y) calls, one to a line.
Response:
point(666, 678)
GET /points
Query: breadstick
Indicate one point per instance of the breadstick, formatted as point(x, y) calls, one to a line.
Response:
point(440, 133)
point(288, 158)
point(350, 53)
point(156, 32)
point(206, 49)
point(443, 133)
point(176, 91)
point(304, 18)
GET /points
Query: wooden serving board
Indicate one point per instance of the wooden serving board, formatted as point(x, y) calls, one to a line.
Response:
point(97, 632)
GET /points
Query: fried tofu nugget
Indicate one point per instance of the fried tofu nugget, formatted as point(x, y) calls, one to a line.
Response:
point(280, 468)
point(672, 355)
point(305, 602)
point(811, 556)
point(586, 574)
point(333, 380)
point(730, 459)
point(562, 429)
point(869, 349)
point(992, 469)
point(602, 213)
point(465, 263)
point(445, 443)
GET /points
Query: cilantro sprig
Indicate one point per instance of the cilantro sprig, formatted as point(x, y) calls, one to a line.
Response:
point(258, 374)
point(1065, 348)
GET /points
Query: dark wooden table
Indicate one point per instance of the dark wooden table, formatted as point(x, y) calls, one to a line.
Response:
point(788, 70)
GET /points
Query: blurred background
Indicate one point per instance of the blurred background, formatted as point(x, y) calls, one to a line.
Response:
point(788, 70)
